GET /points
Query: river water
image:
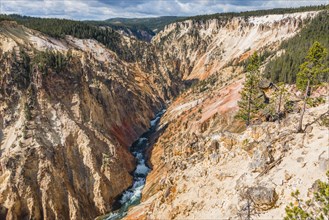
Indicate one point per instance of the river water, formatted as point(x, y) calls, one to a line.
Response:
point(133, 195)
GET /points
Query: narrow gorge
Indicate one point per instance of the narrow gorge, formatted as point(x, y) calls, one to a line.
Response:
point(133, 194)
point(148, 130)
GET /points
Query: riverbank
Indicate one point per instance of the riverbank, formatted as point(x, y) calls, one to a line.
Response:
point(133, 194)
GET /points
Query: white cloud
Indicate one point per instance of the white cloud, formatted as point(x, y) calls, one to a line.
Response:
point(103, 9)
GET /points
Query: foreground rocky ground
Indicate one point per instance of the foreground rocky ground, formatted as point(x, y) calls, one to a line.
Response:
point(210, 172)
point(65, 133)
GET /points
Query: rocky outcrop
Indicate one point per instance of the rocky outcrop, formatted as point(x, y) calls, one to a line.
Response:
point(66, 126)
point(204, 158)
point(215, 172)
point(197, 49)
point(262, 198)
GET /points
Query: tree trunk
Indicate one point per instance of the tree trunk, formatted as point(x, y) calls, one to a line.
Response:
point(300, 126)
point(248, 210)
point(279, 108)
point(249, 109)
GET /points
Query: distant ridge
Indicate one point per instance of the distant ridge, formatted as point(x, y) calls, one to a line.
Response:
point(258, 12)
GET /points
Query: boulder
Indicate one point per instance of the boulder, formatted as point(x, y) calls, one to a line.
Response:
point(263, 198)
point(261, 157)
point(324, 164)
point(323, 161)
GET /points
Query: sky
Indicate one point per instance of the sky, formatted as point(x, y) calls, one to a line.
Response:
point(104, 9)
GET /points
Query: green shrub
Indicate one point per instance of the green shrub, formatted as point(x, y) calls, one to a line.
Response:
point(317, 208)
point(313, 102)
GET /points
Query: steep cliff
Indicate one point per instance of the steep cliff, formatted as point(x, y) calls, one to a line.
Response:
point(199, 48)
point(206, 164)
point(218, 169)
point(70, 108)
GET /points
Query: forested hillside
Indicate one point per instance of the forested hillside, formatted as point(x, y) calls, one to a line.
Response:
point(155, 24)
point(141, 28)
point(246, 14)
point(285, 67)
point(58, 28)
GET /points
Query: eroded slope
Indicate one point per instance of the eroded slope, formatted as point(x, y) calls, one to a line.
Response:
point(70, 108)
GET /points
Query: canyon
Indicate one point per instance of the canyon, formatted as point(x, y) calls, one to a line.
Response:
point(65, 132)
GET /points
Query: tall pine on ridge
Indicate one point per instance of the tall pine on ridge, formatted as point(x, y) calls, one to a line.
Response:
point(250, 95)
point(308, 73)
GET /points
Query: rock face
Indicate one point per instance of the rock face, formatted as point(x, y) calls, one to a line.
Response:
point(204, 159)
point(65, 132)
point(198, 49)
point(193, 177)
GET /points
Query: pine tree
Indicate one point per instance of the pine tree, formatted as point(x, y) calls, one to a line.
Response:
point(249, 104)
point(309, 71)
point(280, 98)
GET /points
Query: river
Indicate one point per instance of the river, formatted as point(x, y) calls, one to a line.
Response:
point(133, 195)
